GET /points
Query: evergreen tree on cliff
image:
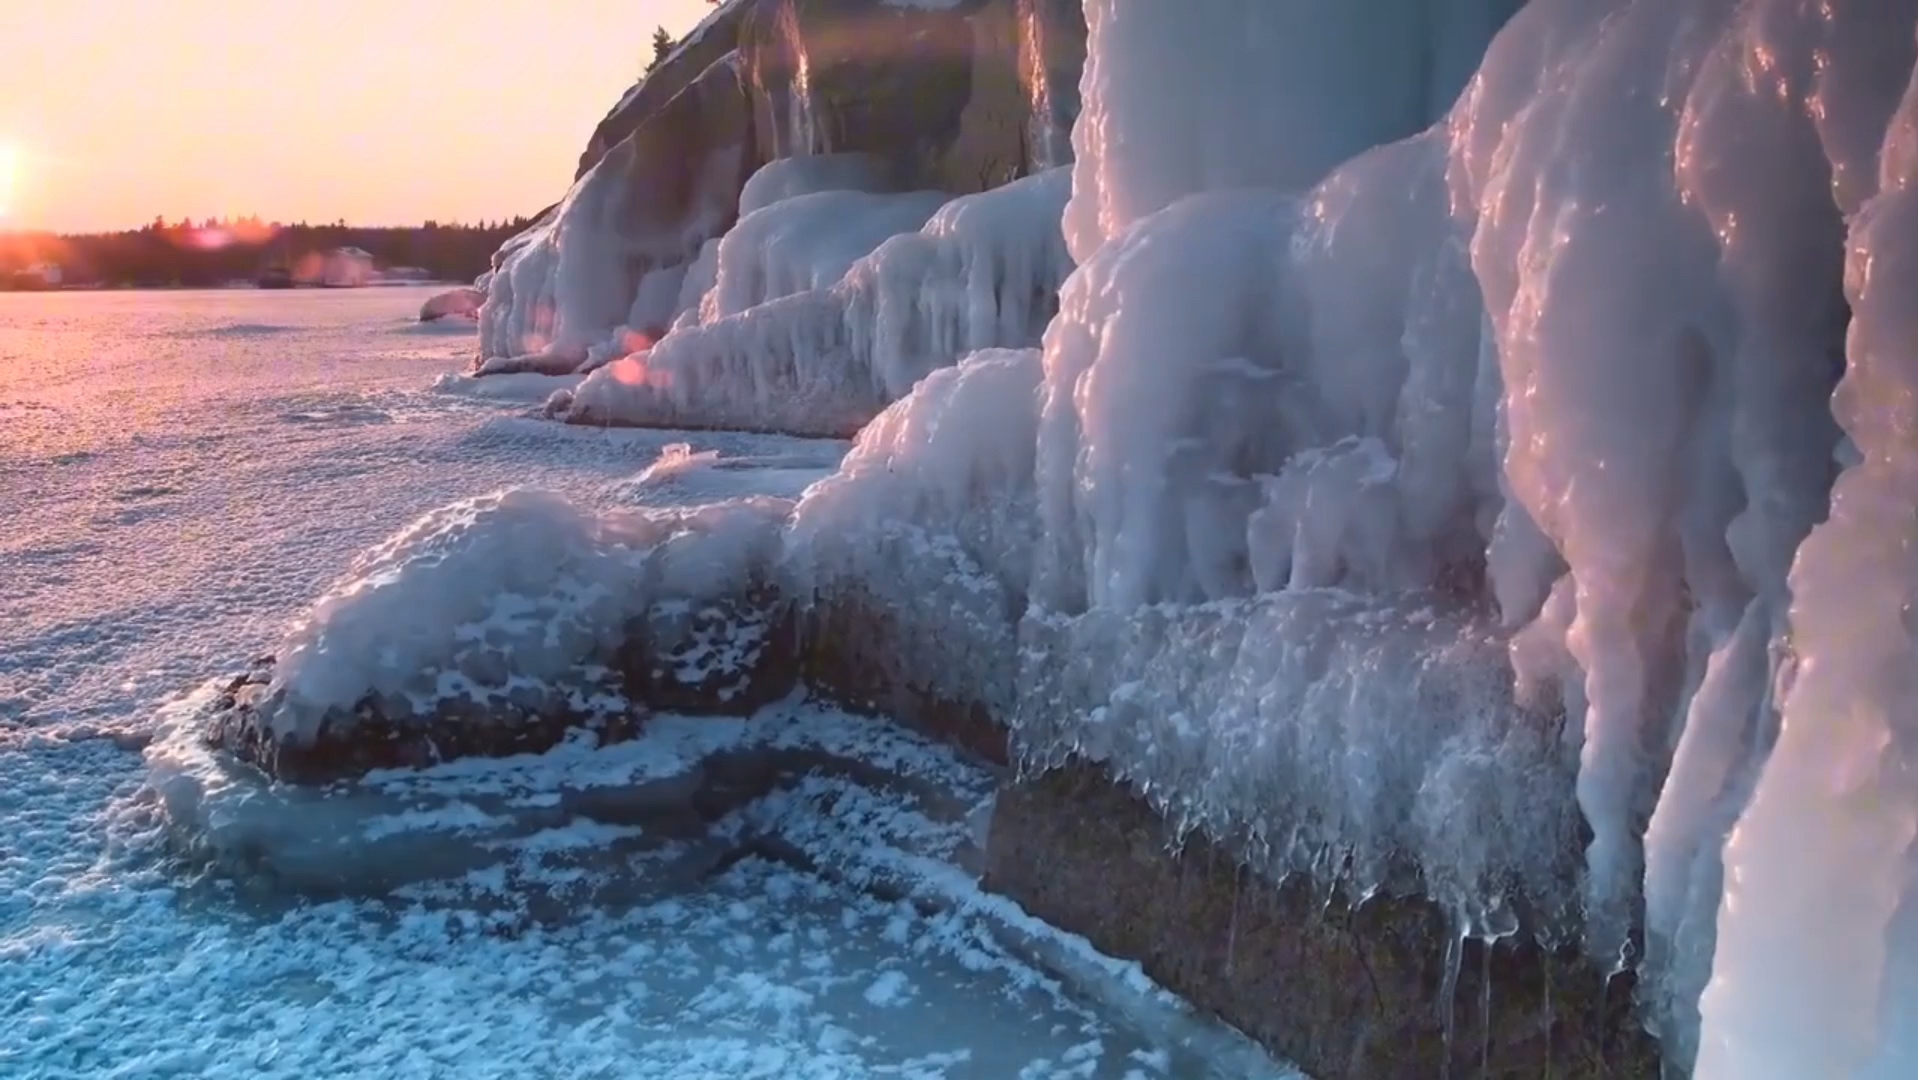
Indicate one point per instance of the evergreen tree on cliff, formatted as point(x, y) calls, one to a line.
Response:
point(662, 44)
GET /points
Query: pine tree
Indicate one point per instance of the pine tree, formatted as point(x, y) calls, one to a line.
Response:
point(662, 44)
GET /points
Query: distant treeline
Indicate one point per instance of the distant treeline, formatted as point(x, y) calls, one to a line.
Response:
point(214, 252)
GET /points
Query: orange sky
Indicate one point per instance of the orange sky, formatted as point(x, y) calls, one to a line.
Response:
point(377, 111)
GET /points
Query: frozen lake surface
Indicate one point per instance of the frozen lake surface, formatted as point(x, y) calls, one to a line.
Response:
point(180, 474)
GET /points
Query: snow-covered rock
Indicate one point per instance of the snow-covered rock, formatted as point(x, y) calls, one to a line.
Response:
point(464, 301)
point(497, 624)
point(1375, 746)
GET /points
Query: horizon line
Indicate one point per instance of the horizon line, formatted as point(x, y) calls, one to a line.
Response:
point(202, 223)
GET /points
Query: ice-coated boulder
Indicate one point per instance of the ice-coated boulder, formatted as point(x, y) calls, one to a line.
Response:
point(461, 301)
point(385, 731)
point(729, 655)
point(499, 624)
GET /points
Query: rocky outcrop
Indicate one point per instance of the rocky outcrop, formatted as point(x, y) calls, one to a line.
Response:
point(706, 45)
point(730, 656)
point(464, 301)
point(948, 94)
point(1377, 991)
point(1052, 53)
point(389, 732)
point(847, 654)
point(642, 211)
point(961, 97)
point(958, 98)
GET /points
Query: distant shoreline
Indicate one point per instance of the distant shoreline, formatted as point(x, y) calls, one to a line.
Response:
point(246, 286)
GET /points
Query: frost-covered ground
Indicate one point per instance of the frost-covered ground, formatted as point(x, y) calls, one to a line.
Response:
point(181, 473)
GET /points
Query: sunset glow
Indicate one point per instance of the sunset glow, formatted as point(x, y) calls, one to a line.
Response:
point(9, 175)
point(376, 112)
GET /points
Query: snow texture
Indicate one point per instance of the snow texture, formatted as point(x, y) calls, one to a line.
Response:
point(394, 828)
point(799, 333)
point(684, 476)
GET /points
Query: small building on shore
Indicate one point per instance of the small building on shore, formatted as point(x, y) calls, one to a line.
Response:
point(346, 268)
point(35, 276)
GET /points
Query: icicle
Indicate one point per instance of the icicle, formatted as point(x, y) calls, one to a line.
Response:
point(1448, 995)
point(1816, 971)
point(1232, 931)
point(1485, 1008)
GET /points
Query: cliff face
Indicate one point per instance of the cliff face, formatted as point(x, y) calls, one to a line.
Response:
point(962, 97)
point(644, 206)
point(710, 42)
point(959, 99)
point(951, 96)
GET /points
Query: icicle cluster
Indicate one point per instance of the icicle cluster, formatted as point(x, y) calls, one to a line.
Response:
point(824, 307)
point(1577, 341)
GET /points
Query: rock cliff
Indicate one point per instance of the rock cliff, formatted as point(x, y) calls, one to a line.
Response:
point(956, 98)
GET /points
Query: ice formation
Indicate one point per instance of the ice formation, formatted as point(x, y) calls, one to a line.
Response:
point(789, 178)
point(1591, 353)
point(523, 592)
point(806, 243)
point(1312, 86)
point(1420, 466)
point(1360, 740)
point(924, 539)
point(615, 242)
point(797, 333)
point(1817, 963)
point(683, 476)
